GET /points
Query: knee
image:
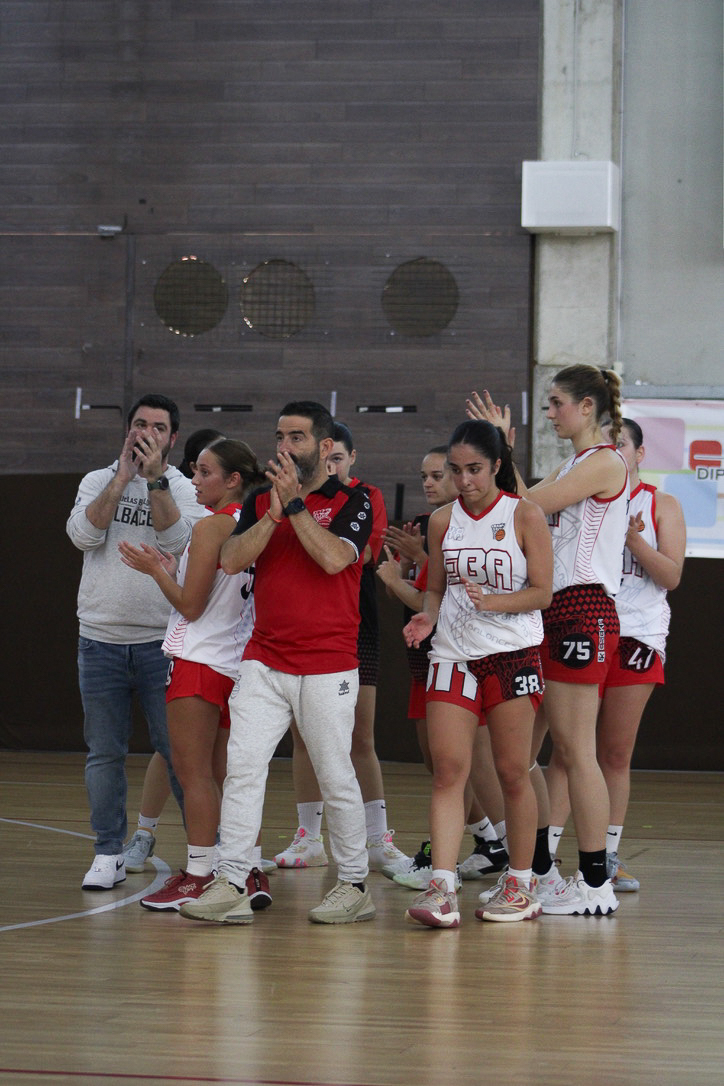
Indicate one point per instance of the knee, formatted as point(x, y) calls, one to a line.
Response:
point(615, 758)
point(363, 745)
point(448, 773)
point(513, 777)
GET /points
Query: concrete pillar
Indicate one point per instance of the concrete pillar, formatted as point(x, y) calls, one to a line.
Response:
point(575, 284)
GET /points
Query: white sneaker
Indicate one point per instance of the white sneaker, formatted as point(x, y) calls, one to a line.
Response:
point(418, 878)
point(344, 904)
point(105, 873)
point(221, 903)
point(267, 866)
point(381, 852)
point(548, 884)
point(576, 898)
point(304, 851)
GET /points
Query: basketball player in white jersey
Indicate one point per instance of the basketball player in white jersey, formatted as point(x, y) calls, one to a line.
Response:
point(652, 565)
point(489, 574)
point(205, 638)
point(586, 502)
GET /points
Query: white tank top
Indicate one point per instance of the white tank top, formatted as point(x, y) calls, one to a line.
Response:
point(483, 549)
point(642, 606)
point(219, 635)
point(589, 536)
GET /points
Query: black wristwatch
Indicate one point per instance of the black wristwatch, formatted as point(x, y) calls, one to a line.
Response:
point(160, 484)
point(296, 505)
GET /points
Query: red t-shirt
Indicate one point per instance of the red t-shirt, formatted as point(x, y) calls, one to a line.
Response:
point(306, 620)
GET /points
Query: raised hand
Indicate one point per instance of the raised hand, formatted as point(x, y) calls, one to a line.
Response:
point(483, 408)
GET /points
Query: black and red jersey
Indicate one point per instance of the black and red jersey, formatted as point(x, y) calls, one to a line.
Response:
point(307, 619)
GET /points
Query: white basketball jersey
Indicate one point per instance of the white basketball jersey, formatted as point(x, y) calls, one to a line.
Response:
point(483, 549)
point(589, 536)
point(642, 606)
point(219, 635)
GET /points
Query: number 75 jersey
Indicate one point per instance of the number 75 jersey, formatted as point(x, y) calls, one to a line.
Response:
point(483, 549)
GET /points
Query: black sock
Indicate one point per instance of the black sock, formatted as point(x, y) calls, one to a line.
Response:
point(592, 866)
point(542, 855)
point(359, 886)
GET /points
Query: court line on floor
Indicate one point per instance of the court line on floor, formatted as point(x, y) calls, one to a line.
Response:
point(162, 873)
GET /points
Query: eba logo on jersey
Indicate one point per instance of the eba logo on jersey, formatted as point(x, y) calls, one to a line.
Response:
point(498, 531)
point(323, 517)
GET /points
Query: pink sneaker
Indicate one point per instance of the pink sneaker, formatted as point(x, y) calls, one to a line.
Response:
point(176, 891)
point(436, 907)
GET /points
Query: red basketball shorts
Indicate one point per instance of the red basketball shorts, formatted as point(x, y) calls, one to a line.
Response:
point(187, 679)
point(480, 685)
point(634, 664)
point(581, 634)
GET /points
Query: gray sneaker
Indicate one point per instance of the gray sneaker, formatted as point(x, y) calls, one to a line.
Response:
point(622, 881)
point(344, 904)
point(221, 903)
point(137, 851)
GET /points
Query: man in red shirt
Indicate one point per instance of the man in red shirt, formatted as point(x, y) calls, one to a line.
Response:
point(305, 533)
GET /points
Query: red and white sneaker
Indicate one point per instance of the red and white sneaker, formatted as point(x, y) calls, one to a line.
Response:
point(435, 908)
point(176, 891)
point(511, 901)
point(257, 888)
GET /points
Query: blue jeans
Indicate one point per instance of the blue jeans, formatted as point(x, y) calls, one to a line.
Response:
point(109, 675)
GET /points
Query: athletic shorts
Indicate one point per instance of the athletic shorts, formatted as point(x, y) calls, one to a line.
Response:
point(633, 664)
point(416, 704)
point(480, 685)
point(581, 634)
point(368, 653)
point(187, 679)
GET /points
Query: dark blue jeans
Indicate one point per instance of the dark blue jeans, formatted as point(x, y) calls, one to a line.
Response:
point(109, 675)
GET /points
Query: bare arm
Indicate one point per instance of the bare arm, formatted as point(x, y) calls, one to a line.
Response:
point(421, 625)
point(664, 566)
point(191, 597)
point(603, 474)
point(390, 573)
point(241, 551)
point(324, 547)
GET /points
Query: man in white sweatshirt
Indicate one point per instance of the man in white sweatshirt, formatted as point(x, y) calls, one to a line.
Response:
point(142, 499)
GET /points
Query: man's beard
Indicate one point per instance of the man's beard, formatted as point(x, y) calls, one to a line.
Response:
point(306, 466)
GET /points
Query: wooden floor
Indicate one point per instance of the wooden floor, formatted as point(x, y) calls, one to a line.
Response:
point(97, 990)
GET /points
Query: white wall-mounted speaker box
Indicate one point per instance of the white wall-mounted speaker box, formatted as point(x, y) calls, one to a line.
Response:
point(576, 197)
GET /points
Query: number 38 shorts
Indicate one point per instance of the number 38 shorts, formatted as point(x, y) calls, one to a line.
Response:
point(480, 685)
point(581, 635)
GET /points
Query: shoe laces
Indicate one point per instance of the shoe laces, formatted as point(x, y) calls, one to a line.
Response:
point(339, 892)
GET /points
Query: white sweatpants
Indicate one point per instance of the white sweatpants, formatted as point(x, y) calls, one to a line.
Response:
point(261, 706)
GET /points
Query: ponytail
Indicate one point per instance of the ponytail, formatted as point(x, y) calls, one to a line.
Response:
point(613, 384)
point(602, 385)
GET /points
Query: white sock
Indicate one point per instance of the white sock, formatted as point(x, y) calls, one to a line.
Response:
point(554, 839)
point(310, 817)
point(523, 877)
point(376, 819)
point(147, 824)
point(200, 860)
point(499, 829)
point(448, 877)
point(256, 856)
point(613, 838)
point(484, 829)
